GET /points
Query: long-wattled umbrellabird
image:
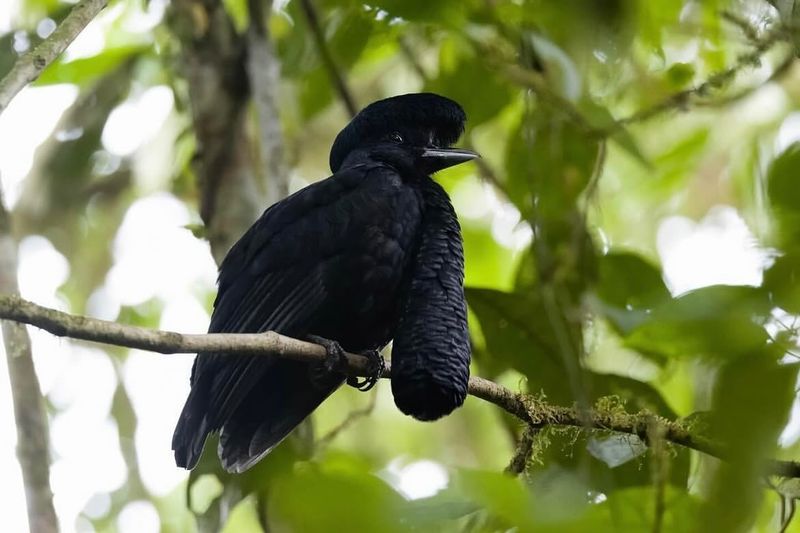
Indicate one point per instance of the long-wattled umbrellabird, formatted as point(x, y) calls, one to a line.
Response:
point(369, 255)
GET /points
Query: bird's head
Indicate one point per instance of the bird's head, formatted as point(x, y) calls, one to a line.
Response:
point(417, 129)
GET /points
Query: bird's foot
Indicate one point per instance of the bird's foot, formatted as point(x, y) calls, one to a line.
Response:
point(376, 365)
point(335, 364)
point(324, 374)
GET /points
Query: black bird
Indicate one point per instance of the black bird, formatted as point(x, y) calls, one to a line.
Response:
point(370, 254)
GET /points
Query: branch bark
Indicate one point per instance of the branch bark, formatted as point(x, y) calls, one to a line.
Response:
point(33, 440)
point(213, 63)
point(28, 67)
point(533, 411)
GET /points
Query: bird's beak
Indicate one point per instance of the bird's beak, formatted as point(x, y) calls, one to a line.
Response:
point(441, 158)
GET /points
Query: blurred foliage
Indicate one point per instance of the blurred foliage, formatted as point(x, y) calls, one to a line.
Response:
point(596, 120)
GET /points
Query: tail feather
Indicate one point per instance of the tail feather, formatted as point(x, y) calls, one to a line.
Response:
point(191, 432)
point(272, 409)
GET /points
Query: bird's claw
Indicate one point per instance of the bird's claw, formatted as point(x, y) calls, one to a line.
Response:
point(376, 365)
point(335, 362)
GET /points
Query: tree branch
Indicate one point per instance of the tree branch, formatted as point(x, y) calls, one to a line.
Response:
point(33, 440)
point(522, 454)
point(28, 67)
point(213, 63)
point(682, 99)
point(532, 410)
point(353, 417)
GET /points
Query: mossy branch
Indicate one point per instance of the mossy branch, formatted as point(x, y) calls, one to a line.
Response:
point(533, 411)
point(719, 80)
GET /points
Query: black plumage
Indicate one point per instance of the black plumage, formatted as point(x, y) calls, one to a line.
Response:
point(370, 254)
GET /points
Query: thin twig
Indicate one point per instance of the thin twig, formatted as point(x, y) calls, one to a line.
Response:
point(522, 454)
point(351, 419)
point(30, 65)
point(531, 410)
point(486, 172)
point(660, 472)
point(750, 32)
point(777, 75)
point(327, 59)
point(411, 58)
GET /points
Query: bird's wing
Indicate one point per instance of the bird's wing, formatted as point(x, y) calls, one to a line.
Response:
point(272, 279)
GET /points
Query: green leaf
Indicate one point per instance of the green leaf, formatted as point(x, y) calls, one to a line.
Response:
point(315, 92)
point(146, 314)
point(460, 71)
point(347, 31)
point(551, 160)
point(782, 281)
point(518, 335)
point(784, 196)
point(446, 505)
point(600, 118)
point(717, 321)
point(680, 74)
point(752, 399)
point(448, 12)
point(675, 165)
point(315, 496)
point(502, 495)
point(632, 510)
point(627, 289)
point(350, 31)
point(486, 262)
point(203, 491)
point(243, 517)
point(84, 71)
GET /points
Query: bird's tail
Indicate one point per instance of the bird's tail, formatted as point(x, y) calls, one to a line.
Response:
point(191, 431)
point(280, 401)
point(268, 412)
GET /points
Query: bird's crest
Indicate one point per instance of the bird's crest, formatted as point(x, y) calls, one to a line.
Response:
point(441, 119)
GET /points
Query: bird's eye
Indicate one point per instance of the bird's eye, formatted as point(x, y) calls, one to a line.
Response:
point(396, 138)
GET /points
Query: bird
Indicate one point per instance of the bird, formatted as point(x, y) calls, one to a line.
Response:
point(370, 255)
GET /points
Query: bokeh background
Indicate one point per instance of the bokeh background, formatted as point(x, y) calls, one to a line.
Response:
point(630, 238)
